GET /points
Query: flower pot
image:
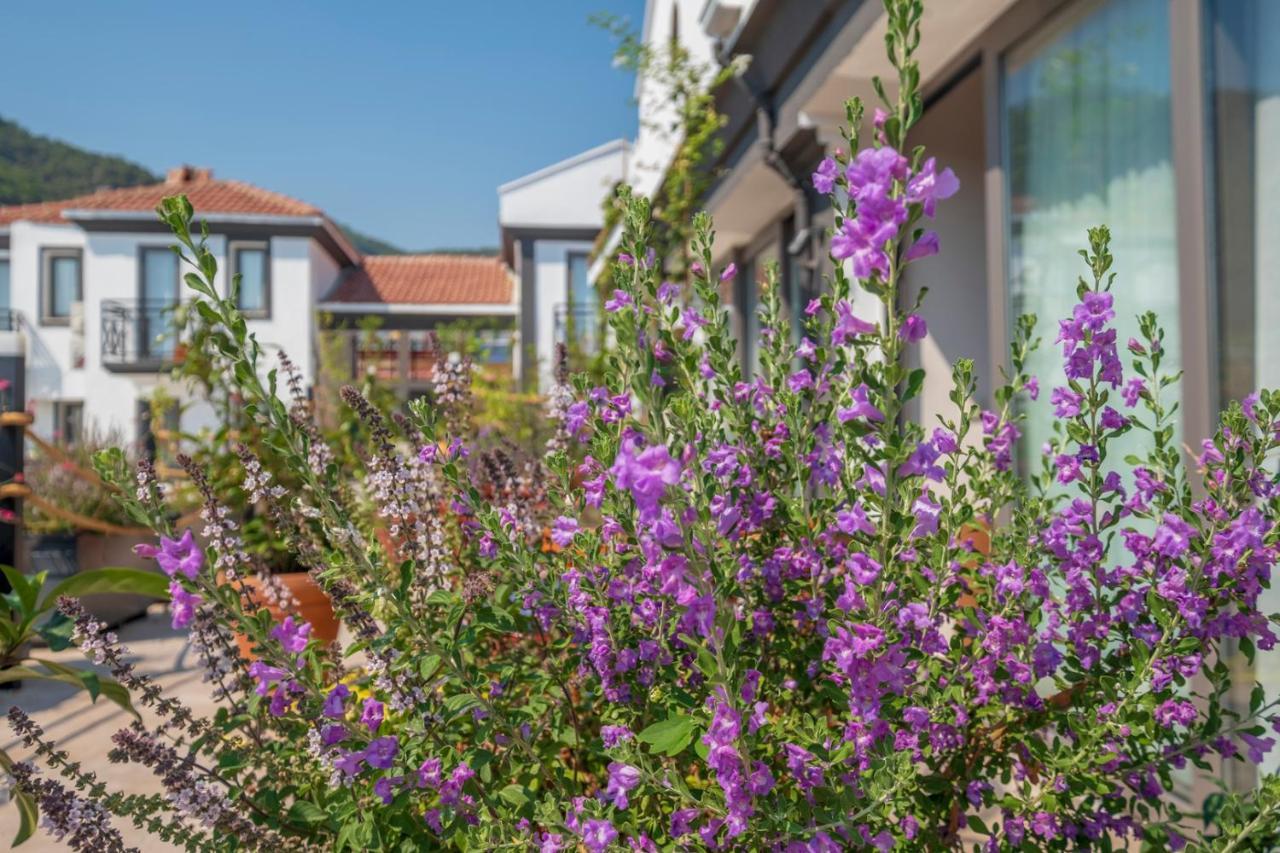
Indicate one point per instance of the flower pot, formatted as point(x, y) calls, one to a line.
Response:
point(313, 606)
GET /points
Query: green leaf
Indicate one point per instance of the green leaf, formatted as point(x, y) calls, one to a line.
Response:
point(57, 631)
point(515, 795)
point(28, 813)
point(306, 813)
point(27, 590)
point(135, 581)
point(671, 735)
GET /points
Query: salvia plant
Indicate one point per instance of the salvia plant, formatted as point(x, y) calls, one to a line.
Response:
point(728, 611)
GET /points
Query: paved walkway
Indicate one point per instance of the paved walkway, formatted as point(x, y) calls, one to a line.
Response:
point(85, 729)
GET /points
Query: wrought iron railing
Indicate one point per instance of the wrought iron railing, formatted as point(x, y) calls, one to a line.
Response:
point(138, 335)
point(577, 325)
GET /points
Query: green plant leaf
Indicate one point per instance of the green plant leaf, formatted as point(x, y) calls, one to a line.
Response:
point(671, 735)
point(135, 581)
point(26, 590)
point(28, 813)
point(306, 812)
point(57, 631)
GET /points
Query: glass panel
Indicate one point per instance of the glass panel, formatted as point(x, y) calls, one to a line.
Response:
point(5, 302)
point(64, 285)
point(1245, 86)
point(252, 266)
point(159, 296)
point(581, 315)
point(1087, 128)
point(1246, 108)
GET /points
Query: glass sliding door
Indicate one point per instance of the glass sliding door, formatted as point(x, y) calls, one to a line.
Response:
point(1088, 141)
point(1244, 82)
point(159, 296)
point(1246, 115)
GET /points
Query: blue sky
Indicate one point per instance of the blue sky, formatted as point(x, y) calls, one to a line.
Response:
point(398, 118)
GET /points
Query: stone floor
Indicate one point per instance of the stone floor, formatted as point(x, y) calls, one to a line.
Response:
point(85, 729)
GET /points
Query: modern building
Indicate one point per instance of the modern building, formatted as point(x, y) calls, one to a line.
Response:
point(89, 287)
point(1155, 117)
point(549, 222)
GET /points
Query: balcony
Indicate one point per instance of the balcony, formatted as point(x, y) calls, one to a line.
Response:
point(10, 320)
point(138, 336)
point(577, 326)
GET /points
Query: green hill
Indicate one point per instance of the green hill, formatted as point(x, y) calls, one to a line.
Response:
point(36, 168)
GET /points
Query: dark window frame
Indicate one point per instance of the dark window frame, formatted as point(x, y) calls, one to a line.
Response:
point(47, 256)
point(234, 248)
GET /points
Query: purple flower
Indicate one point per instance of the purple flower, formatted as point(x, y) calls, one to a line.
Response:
point(913, 328)
point(381, 752)
point(853, 519)
point(563, 531)
point(371, 715)
point(292, 635)
point(862, 407)
point(598, 834)
point(1066, 403)
point(384, 788)
point(428, 453)
point(926, 511)
point(348, 763)
point(429, 773)
point(929, 186)
point(1173, 536)
point(925, 247)
point(266, 676)
point(614, 735)
point(621, 299)
point(1111, 419)
point(184, 604)
point(824, 179)
point(623, 778)
point(646, 474)
point(1132, 391)
point(180, 556)
point(849, 325)
point(333, 703)
point(682, 822)
point(729, 272)
point(667, 291)
point(332, 734)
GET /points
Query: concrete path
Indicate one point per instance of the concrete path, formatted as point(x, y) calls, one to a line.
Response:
point(85, 729)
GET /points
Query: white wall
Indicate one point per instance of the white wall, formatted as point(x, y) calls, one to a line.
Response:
point(551, 283)
point(655, 143)
point(300, 270)
point(568, 194)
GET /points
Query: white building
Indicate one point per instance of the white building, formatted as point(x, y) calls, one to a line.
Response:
point(549, 222)
point(92, 284)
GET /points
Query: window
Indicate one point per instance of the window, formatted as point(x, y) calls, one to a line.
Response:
point(158, 292)
point(252, 262)
point(1086, 118)
point(68, 415)
point(6, 304)
point(577, 324)
point(1245, 98)
point(62, 285)
point(1245, 94)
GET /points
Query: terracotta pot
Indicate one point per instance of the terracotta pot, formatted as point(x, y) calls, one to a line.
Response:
point(313, 606)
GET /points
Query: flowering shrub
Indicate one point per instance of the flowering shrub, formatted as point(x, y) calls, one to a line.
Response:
point(747, 612)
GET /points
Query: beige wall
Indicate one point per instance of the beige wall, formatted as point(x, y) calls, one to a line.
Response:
point(956, 305)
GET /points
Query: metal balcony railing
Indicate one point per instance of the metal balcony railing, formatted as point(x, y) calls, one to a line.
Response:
point(10, 320)
point(138, 336)
point(577, 325)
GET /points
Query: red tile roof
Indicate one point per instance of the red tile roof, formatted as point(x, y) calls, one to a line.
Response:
point(427, 280)
point(207, 195)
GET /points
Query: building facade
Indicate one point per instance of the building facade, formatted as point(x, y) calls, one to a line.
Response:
point(549, 221)
point(89, 289)
point(1154, 117)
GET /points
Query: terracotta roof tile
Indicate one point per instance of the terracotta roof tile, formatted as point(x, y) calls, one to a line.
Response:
point(206, 194)
point(427, 280)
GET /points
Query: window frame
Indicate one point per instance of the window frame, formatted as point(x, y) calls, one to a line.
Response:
point(47, 256)
point(234, 248)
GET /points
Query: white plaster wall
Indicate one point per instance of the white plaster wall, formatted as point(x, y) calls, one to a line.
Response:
point(300, 270)
point(567, 195)
point(655, 143)
point(551, 282)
